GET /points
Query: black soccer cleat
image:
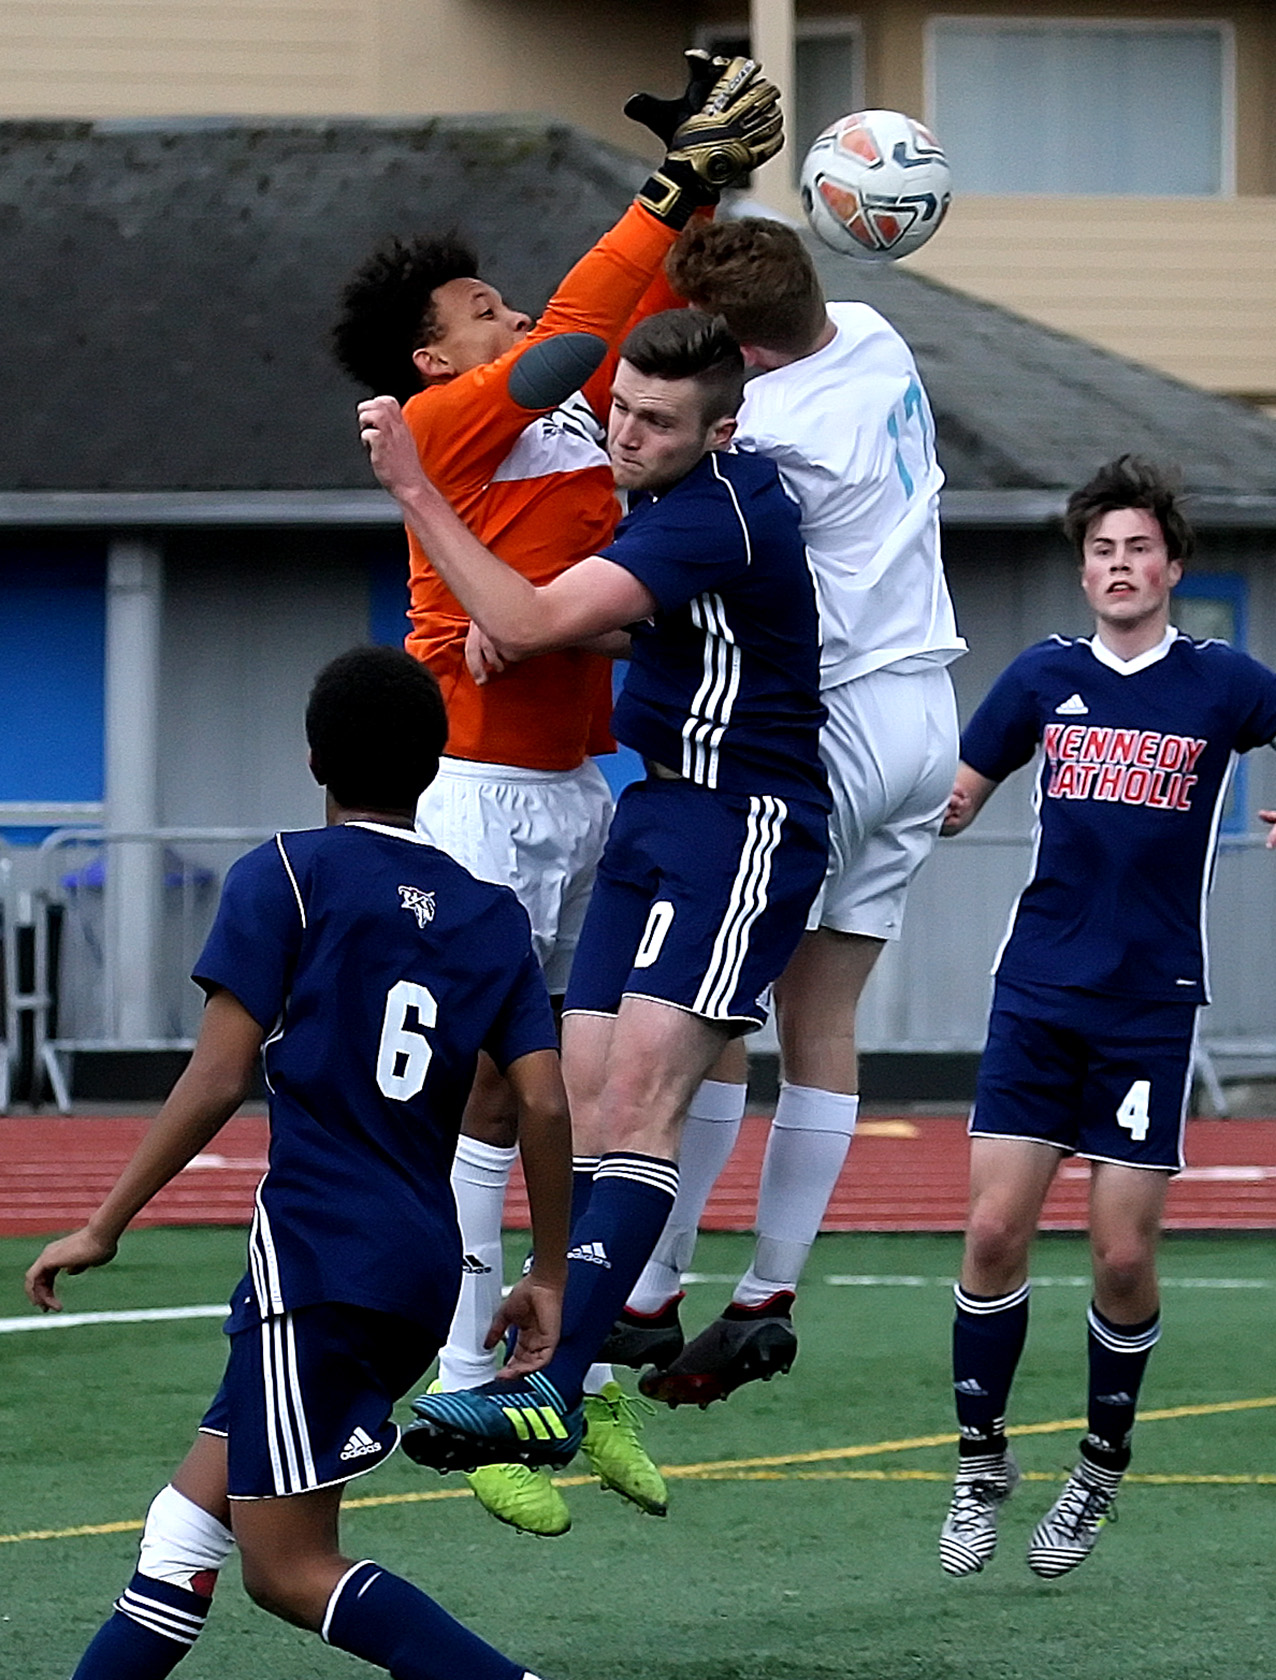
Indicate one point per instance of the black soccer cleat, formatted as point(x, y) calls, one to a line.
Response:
point(639, 1339)
point(745, 1344)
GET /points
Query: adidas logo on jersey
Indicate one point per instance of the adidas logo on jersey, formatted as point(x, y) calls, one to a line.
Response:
point(593, 1252)
point(472, 1266)
point(1073, 706)
point(360, 1445)
point(419, 902)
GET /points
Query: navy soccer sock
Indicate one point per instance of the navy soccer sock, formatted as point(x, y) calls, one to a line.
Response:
point(583, 1169)
point(386, 1620)
point(611, 1242)
point(1119, 1354)
point(988, 1336)
point(154, 1626)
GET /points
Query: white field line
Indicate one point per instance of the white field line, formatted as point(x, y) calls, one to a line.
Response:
point(137, 1315)
point(838, 1280)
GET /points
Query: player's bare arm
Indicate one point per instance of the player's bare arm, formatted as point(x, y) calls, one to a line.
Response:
point(970, 794)
point(483, 662)
point(518, 618)
point(534, 1306)
point(1269, 817)
point(217, 1079)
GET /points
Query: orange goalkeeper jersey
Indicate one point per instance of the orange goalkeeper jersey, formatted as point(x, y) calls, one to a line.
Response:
point(535, 486)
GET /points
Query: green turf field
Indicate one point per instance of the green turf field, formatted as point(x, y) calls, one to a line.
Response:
point(820, 1560)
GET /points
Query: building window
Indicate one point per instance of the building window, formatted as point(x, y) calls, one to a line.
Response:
point(828, 69)
point(1086, 106)
point(1210, 606)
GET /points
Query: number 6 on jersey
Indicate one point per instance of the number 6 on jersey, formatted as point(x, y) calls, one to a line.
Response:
point(403, 1056)
point(1133, 1112)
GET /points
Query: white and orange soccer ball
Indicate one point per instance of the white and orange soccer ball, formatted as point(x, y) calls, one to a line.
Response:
point(875, 185)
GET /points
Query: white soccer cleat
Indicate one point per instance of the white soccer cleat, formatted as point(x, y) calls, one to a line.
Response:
point(969, 1535)
point(1066, 1535)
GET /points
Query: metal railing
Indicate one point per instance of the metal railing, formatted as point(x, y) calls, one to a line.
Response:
point(120, 918)
point(101, 929)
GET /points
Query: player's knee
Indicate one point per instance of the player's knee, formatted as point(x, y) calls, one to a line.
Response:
point(997, 1239)
point(294, 1589)
point(1124, 1264)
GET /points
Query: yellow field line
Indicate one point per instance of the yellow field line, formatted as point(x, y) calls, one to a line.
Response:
point(755, 1469)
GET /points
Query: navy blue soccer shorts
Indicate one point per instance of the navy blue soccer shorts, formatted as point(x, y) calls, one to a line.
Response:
point(1103, 1077)
point(700, 901)
point(307, 1395)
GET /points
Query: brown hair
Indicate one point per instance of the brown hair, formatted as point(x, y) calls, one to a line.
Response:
point(1130, 482)
point(757, 275)
point(688, 344)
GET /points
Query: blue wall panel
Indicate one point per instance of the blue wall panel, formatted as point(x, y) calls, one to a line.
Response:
point(52, 667)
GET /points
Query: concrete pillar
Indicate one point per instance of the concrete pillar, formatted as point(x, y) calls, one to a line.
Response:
point(771, 36)
point(134, 595)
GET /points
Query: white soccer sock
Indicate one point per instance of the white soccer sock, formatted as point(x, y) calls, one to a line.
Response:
point(810, 1136)
point(713, 1125)
point(480, 1174)
point(181, 1540)
point(596, 1379)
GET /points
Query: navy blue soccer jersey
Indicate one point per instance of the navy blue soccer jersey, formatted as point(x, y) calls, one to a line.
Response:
point(724, 684)
point(1136, 762)
point(378, 967)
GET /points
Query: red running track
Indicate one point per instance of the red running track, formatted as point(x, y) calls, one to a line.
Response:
point(902, 1175)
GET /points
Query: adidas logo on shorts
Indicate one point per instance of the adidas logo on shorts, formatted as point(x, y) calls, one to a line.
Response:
point(593, 1252)
point(360, 1445)
point(472, 1266)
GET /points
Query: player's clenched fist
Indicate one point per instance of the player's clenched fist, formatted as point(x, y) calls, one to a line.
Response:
point(390, 445)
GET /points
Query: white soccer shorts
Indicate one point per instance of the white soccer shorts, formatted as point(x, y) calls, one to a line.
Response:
point(890, 747)
point(540, 832)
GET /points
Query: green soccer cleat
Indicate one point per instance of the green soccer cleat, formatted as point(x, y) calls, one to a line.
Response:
point(525, 1499)
point(616, 1455)
point(524, 1422)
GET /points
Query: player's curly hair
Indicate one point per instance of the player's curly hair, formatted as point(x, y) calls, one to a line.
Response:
point(376, 727)
point(757, 275)
point(1131, 482)
point(387, 310)
point(689, 344)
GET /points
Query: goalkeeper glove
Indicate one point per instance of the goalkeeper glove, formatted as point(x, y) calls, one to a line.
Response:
point(739, 127)
point(662, 116)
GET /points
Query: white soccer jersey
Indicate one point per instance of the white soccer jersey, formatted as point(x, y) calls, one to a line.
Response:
point(851, 431)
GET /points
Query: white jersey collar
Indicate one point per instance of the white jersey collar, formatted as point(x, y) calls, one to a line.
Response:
point(1140, 662)
point(394, 833)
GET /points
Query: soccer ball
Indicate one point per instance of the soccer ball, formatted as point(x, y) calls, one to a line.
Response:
point(875, 185)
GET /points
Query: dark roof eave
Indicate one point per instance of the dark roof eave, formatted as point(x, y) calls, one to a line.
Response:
point(150, 509)
point(1207, 510)
point(123, 510)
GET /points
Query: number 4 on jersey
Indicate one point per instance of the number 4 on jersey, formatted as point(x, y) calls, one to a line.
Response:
point(1133, 1112)
point(403, 1056)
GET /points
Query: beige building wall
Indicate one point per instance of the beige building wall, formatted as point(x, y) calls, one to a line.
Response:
point(1187, 285)
point(153, 58)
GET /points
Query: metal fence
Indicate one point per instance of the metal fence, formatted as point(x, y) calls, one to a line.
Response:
point(118, 921)
point(101, 929)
